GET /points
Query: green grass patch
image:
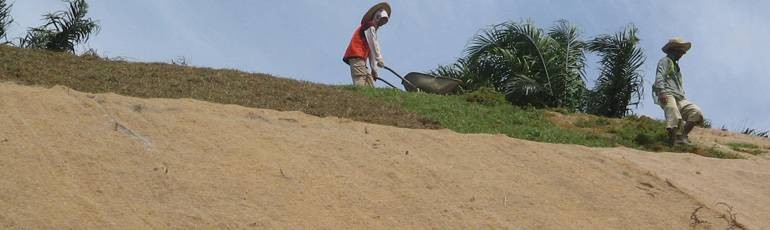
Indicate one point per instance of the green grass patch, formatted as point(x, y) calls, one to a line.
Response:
point(561, 110)
point(717, 153)
point(736, 145)
point(455, 112)
point(592, 123)
point(485, 96)
point(642, 133)
point(746, 148)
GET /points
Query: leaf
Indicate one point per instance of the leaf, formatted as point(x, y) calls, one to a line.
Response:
point(530, 66)
point(62, 30)
point(620, 83)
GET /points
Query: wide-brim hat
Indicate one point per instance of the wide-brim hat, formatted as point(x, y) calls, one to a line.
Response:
point(677, 43)
point(370, 14)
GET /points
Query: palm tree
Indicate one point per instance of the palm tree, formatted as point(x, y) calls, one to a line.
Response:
point(533, 67)
point(5, 19)
point(63, 29)
point(36, 38)
point(530, 66)
point(620, 83)
point(569, 58)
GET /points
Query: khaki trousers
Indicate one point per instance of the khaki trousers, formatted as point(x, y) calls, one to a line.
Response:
point(680, 111)
point(360, 73)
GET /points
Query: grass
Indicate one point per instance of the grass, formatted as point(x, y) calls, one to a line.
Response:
point(746, 148)
point(464, 115)
point(456, 113)
point(590, 123)
point(716, 153)
point(158, 80)
point(636, 132)
point(468, 114)
point(475, 112)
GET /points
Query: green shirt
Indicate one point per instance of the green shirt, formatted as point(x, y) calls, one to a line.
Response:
point(668, 80)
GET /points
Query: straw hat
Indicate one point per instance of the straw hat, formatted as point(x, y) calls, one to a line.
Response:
point(677, 43)
point(370, 14)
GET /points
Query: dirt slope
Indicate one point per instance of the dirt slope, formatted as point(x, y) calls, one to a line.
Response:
point(76, 160)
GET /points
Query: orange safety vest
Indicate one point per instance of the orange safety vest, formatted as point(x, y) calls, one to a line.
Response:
point(358, 47)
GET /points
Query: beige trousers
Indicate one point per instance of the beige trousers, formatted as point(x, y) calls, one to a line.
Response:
point(680, 111)
point(360, 73)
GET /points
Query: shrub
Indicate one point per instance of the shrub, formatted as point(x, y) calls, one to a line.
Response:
point(485, 96)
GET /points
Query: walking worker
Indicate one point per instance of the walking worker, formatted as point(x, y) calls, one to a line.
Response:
point(364, 46)
point(668, 91)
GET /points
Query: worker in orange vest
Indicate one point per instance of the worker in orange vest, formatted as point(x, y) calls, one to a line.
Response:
point(364, 46)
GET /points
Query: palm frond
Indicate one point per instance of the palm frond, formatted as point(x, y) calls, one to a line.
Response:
point(487, 40)
point(5, 19)
point(530, 66)
point(620, 83)
point(570, 46)
point(36, 38)
point(63, 30)
point(522, 84)
point(569, 56)
point(528, 36)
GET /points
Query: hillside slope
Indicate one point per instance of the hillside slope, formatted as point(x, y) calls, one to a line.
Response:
point(158, 80)
point(79, 160)
point(93, 74)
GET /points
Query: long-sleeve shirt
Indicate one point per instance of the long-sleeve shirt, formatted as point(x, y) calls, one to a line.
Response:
point(668, 80)
point(375, 55)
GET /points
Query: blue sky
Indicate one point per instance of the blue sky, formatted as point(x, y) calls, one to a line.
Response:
point(726, 72)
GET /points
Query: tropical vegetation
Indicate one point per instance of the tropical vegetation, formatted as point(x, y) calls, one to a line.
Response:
point(5, 20)
point(482, 111)
point(620, 83)
point(62, 30)
point(546, 68)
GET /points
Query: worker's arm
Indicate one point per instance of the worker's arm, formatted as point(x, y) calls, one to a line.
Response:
point(660, 87)
point(375, 54)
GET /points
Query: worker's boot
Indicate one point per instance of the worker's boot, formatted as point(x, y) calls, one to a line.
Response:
point(671, 136)
point(684, 138)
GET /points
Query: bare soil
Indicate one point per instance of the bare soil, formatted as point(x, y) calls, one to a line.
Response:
point(71, 160)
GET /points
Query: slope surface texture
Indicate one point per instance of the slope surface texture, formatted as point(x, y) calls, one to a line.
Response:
point(104, 161)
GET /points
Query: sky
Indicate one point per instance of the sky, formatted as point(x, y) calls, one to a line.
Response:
point(725, 73)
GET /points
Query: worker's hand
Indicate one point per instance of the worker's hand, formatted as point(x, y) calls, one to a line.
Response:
point(381, 64)
point(375, 77)
point(663, 98)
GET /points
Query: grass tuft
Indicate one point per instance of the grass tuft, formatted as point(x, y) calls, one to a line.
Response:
point(592, 123)
point(713, 152)
point(746, 148)
point(486, 96)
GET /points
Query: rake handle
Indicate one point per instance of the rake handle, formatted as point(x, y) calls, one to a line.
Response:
point(399, 76)
point(387, 83)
